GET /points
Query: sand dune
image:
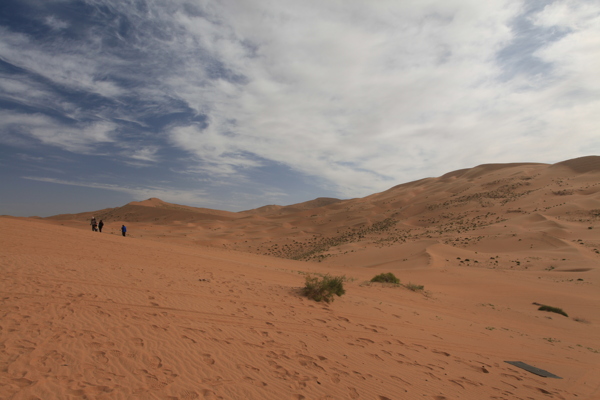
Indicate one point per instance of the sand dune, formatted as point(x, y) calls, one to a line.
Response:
point(102, 316)
point(199, 303)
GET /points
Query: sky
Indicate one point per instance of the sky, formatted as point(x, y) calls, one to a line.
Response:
point(236, 104)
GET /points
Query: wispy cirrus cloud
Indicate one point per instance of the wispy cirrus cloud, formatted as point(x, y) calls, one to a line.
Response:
point(48, 131)
point(68, 67)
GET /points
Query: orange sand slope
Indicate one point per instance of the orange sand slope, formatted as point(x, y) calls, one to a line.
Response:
point(100, 316)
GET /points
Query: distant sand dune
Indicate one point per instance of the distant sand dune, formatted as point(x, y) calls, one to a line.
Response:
point(581, 165)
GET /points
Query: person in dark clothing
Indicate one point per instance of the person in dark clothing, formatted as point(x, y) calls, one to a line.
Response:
point(94, 224)
point(100, 225)
point(123, 230)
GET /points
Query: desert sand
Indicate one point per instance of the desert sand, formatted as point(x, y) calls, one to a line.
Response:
point(198, 303)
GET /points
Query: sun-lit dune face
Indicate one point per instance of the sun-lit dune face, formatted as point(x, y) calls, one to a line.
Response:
point(515, 207)
point(198, 303)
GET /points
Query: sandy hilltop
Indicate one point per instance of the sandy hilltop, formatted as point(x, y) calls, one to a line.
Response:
point(206, 304)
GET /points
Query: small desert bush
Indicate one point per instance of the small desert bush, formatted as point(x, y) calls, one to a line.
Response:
point(563, 192)
point(413, 287)
point(552, 309)
point(386, 278)
point(324, 288)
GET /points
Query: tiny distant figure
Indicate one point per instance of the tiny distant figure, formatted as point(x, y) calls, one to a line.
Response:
point(94, 224)
point(100, 225)
point(123, 230)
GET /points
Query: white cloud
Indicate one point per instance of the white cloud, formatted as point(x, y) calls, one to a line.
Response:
point(340, 92)
point(218, 152)
point(369, 93)
point(32, 94)
point(55, 23)
point(54, 133)
point(576, 56)
point(76, 68)
point(142, 153)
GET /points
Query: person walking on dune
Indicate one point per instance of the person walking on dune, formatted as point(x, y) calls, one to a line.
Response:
point(94, 224)
point(123, 230)
point(100, 225)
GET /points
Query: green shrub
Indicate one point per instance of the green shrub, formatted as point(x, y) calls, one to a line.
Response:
point(553, 309)
point(386, 278)
point(413, 287)
point(324, 288)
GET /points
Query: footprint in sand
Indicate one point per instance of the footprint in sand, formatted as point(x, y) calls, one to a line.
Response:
point(335, 378)
point(159, 327)
point(359, 375)
point(247, 366)
point(457, 383)
point(207, 358)
point(209, 394)
point(255, 382)
point(189, 395)
point(188, 338)
point(25, 345)
point(100, 356)
point(22, 382)
point(153, 361)
point(512, 376)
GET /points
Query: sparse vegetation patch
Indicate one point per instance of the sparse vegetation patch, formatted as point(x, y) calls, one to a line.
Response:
point(386, 278)
point(564, 192)
point(315, 248)
point(413, 287)
point(552, 309)
point(552, 340)
point(324, 288)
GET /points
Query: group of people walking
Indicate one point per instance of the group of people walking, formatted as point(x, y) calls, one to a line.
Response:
point(97, 226)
